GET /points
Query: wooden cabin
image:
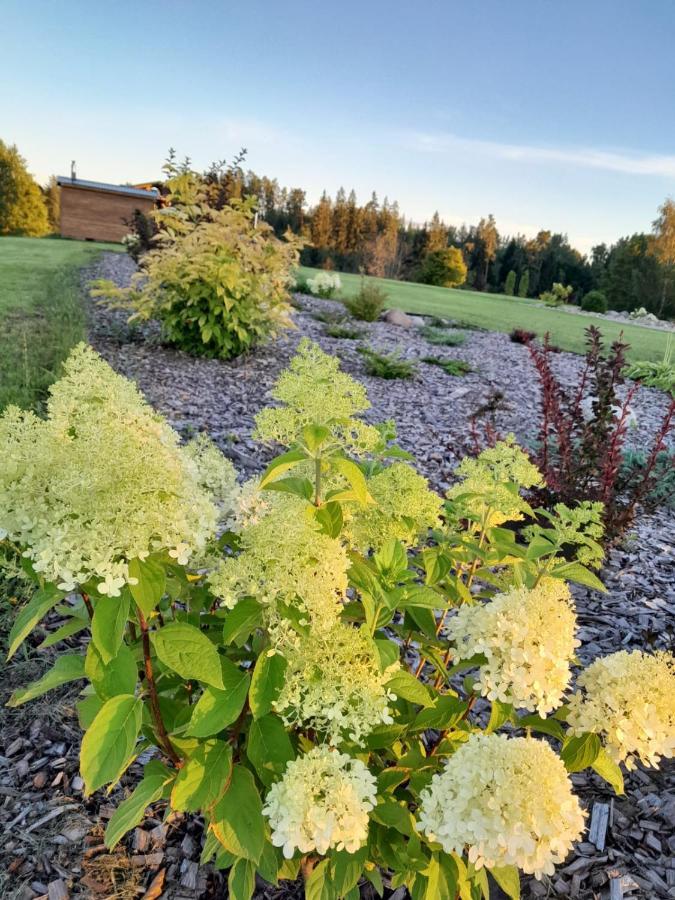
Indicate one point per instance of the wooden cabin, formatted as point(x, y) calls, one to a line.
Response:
point(94, 211)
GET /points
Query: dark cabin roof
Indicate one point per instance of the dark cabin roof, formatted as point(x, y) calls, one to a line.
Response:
point(66, 181)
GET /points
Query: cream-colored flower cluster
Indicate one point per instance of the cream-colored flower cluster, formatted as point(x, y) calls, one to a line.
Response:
point(213, 471)
point(102, 480)
point(509, 800)
point(405, 509)
point(333, 684)
point(285, 557)
point(527, 637)
point(629, 699)
point(250, 504)
point(321, 803)
point(491, 483)
point(324, 284)
point(314, 391)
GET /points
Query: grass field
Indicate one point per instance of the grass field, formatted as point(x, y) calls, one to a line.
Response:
point(497, 312)
point(41, 313)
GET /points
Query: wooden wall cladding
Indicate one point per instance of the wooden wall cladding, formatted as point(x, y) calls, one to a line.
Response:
point(94, 215)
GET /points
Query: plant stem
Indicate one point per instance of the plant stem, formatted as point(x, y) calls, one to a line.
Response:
point(160, 728)
point(317, 481)
point(87, 603)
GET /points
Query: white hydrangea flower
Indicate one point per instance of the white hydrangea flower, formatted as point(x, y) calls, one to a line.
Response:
point(629, 699)
point(324, 284)
point(102, 479)
point(509, 800)
point(528, 639)
point(321, 802)
point(333, 684)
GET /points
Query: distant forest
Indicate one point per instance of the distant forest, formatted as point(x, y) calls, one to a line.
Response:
point(376, 238)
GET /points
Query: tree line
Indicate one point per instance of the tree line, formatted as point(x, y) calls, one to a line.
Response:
point(375, 237)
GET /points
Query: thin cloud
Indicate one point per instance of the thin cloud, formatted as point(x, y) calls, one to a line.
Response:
point(662, 166)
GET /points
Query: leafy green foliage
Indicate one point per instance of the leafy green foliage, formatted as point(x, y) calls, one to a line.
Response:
point(441, 336)
point(594, 301)
point(22, 206)
point(558, 294)
point(218, 287)
point(343, 332)
point(387, 365)
point(368, 303)
point(457, 367)
point(278, 697)
point(510, 284)
point(659, 375)
point(443, 268)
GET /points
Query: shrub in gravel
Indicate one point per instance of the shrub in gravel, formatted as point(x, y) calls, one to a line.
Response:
point(582, 435)
point(387, 365)
point(285, 650)
point(594, 301)
point(218, 289)
point(659, 375)
point(558, 294)
point(521, 336)
point(324, 285)
point(441, 336)
point(368, 304)
point(456, 367)
point(343, 332)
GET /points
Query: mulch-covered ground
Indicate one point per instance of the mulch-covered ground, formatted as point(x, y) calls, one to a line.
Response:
point(52, 835)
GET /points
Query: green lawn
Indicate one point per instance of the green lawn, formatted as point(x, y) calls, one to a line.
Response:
point(41, 313)
point(497, 312)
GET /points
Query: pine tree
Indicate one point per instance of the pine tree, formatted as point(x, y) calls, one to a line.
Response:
point(524, 285)
point(322, 223)
point(437, 234)
point(52, 195)
point(22, 206)
point(340, 224)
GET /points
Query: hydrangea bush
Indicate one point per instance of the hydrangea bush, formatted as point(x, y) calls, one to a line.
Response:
point(349, 677)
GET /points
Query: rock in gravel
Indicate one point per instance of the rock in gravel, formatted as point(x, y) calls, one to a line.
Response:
point(399, 318)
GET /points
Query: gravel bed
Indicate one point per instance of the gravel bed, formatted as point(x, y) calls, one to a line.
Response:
point(431, 412)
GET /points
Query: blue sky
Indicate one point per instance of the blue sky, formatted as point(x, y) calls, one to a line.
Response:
point(545, 113)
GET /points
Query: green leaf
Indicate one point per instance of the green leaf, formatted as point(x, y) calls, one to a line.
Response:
point(387, 651)
point(405, 685)
point(184, 649)
point(241, 880)
point(574, 571)
point(314, 436)
point(329, 517)
point(217, 709)
point(241, 621)
point(108, 746)
point(269, 748)
point(301, 487)
point(608, 770)
point(67, 668)
point(395, 816)
point(546, 726)
point(445, 712)
point(355, 477)
point(237, 817)
point(151, 577)
point(375, 878)
point(107, 626)
point(119, 676)
point(508, 879)
point(346, 869)
point(319, 885)
point(68, 629)
point(422, 597)
point(499, 714)
point(580, 752)
point(131, 811)
point(266, 683)
point(282, 464)
point(39, 605)
point(87, 709)
point(391, 559)
point(203, 778)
